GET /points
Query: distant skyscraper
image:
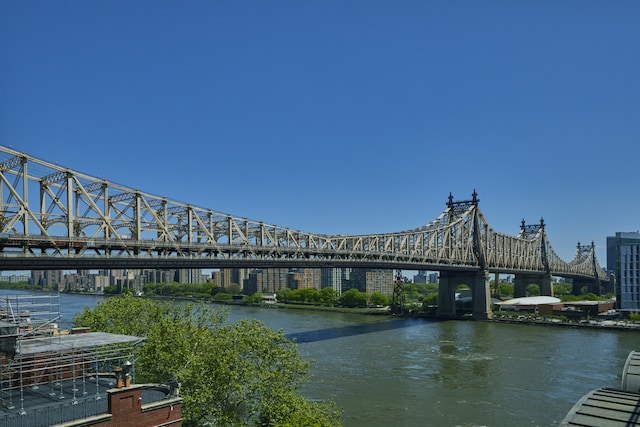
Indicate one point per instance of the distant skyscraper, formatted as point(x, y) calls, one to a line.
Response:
point(623, 261)
point(421, 277)
point(433, 277)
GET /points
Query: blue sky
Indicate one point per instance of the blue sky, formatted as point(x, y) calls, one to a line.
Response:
point(339, 117)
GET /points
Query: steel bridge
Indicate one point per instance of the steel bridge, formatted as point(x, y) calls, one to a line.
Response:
point(52, 217)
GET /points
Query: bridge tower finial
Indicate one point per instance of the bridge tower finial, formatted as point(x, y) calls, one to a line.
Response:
point(474, 198)
point(542, 223)
point(450, 202)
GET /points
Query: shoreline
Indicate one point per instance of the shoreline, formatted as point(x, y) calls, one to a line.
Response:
point(616, 325)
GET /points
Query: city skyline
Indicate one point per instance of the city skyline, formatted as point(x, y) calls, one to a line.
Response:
point(339, 119)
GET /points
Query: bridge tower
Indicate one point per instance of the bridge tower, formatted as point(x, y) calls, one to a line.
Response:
point(543, 280)
point(398, 299)
point(592, 285)
point(477, 280)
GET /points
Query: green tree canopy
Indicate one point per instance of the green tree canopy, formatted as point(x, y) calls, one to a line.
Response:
point(283, 295)
point(240, 374)
point(223, 297)
point(329, 296)
point(234, 289)
point(354, 298)
point(380, 299)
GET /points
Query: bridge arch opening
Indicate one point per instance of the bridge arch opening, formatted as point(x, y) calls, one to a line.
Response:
point(532, 290)
point(464, 298)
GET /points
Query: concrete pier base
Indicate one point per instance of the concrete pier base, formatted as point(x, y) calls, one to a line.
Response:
point(480, 293)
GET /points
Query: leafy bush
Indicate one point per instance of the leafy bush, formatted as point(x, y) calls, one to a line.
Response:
point(241, 374)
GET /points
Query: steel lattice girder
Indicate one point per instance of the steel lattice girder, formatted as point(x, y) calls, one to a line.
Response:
point(80, 215)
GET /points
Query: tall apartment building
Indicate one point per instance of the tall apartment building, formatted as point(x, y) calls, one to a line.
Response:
point(54, 278)
point(433, 278)
point(336, 278)
point(295, 279)
point(357, 280)
point(266, 280)
point(379, 281)
point(623, 261)
point(190, 275)
point(228, 276)
point(421, 277)
point(311, 278)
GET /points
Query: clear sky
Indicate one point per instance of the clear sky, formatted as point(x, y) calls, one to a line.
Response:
point(340, 117)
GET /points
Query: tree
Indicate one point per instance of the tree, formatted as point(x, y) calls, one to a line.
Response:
point(354, 298)
point(234, 289)
point(429, 301)
point(533, 290)
point(239, 374)
point(379, 299)
point(329, 296)
point(560, 289)
point(506, 290)
point(310, 295)
point(283, 295)
point(253, 299)
point(223, 297)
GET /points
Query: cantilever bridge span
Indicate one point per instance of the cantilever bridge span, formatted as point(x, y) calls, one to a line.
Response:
point(56, 218)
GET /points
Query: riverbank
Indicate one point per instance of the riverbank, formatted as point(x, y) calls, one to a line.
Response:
point(499, 317)
point(608, 324)
point(616, 325)
point(367, 311)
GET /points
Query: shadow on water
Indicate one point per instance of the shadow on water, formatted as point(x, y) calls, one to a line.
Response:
point(350, 330)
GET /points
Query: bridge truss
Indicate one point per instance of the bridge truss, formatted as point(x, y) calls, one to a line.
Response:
point(56, 218)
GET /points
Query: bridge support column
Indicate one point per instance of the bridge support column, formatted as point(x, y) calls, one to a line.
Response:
point(522, 280)
point(480, 293)
point(447, 294)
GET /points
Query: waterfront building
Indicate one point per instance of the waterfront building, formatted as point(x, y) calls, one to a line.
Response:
point(16, 278)
point(48, 278)
point(99, 283)
point(623, 262)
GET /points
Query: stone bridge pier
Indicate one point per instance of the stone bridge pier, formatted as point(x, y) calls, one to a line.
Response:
point(478, 281)
point(522, 280)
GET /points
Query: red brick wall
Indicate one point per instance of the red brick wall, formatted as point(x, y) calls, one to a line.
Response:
point(125, 405)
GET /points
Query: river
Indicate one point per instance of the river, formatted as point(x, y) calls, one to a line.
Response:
point(385, 371)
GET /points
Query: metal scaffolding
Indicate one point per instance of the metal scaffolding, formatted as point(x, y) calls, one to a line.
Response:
point(36, 356)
